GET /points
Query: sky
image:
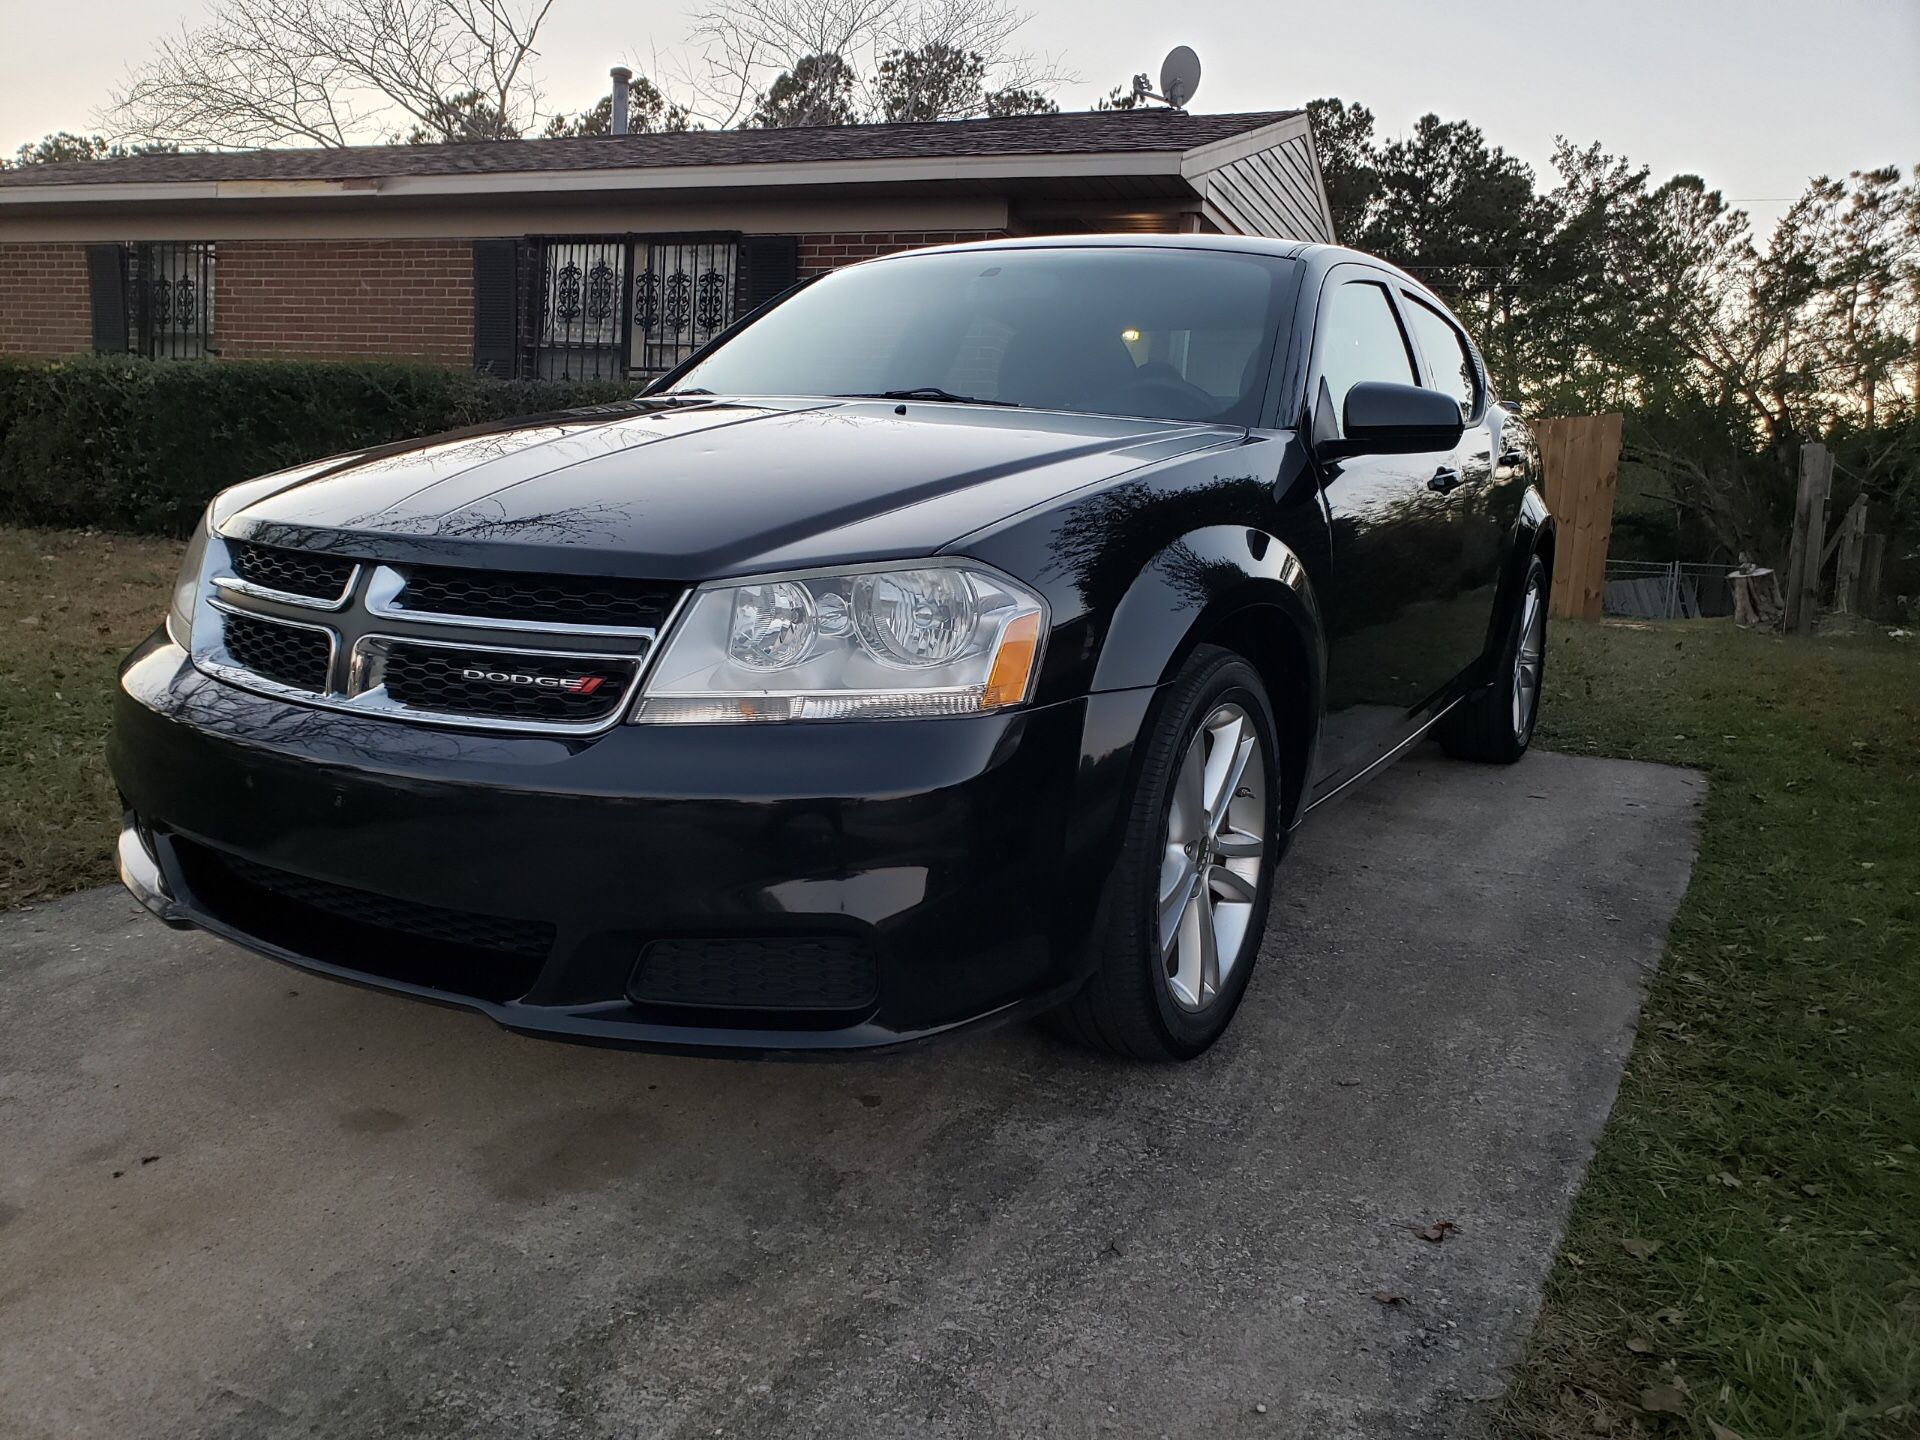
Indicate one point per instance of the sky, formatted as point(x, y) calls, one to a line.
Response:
point(1755, 95)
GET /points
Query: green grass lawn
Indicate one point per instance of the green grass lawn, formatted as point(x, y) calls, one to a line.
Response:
point(71, 605)
point(1745, 1257)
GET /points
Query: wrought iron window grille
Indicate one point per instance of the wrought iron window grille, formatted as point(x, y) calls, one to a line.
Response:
point(168, 287)
point(609, 307)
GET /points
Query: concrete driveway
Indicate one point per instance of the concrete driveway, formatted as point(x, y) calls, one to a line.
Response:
point(239, 1201)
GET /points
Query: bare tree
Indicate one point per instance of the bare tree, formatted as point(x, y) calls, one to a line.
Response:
point(337, 72)
point(741, 49)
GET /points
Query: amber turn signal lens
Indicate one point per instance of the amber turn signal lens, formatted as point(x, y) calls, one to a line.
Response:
point(1013, 663)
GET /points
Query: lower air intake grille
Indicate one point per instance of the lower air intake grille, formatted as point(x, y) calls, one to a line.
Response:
point(751, 973)
point(489, 957)
point(493, 685)
point(294, 572)
point(291, 655)
point(553, 599)
point(456, 927)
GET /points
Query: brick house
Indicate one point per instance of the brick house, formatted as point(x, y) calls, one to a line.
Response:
point(604, 256)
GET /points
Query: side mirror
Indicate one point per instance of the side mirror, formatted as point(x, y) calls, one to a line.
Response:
point(1387, 419)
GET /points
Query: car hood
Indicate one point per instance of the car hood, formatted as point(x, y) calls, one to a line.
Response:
point(687, 492)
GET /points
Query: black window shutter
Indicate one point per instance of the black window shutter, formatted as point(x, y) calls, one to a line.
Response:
point(106, 291)
point(771, 263)
point(496, 306)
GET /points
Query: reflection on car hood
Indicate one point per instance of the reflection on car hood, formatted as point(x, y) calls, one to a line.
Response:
point(687, 492)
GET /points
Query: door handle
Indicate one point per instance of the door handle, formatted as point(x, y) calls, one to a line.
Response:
point(1444, 479)
point(1513, 459)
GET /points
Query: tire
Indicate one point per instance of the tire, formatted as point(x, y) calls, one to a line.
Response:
point(1496, 724)
point(1143, 1002)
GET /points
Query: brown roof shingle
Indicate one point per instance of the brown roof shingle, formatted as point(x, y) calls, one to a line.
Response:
point(1083, 133)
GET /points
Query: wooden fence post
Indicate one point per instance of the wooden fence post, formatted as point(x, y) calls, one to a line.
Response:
point(1809, 538)
point(1581, 457)
point(1871, 563)
point(1846, 573)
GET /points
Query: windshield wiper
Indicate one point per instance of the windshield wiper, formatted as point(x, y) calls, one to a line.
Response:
point(928, 392)
point(675, 395)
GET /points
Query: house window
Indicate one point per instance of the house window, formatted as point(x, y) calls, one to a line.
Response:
point(168, 293)
point(612, 306)
point(682, 297)
point(583, 309)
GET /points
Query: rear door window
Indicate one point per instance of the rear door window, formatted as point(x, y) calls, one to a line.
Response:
point(1447, 355)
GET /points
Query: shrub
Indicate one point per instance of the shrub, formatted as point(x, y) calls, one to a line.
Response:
point(125, 444)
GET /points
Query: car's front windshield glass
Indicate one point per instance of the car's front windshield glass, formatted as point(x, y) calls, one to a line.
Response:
point(1159, 332)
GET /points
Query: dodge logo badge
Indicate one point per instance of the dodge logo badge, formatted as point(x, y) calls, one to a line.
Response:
point(572, 684)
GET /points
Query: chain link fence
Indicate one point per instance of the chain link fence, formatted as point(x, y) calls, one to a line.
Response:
point(1657, 590)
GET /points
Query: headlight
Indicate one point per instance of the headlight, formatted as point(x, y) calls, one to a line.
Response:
point(930, 639)
point(186, 585)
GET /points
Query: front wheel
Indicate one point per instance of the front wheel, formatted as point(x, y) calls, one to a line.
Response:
point(1496, 724)
point(1188, 902)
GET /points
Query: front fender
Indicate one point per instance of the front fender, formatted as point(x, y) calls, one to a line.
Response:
point(1241, 588)
point(1216, 548)
point(1224, 584)
point(1186, 593)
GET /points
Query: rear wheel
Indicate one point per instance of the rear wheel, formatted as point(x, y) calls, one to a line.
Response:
point(1187, 904)
point(1496, 724)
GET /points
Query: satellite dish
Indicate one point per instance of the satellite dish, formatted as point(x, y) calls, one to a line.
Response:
point(1179, 76)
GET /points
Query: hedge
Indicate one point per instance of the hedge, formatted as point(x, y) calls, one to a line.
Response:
point(138, 445)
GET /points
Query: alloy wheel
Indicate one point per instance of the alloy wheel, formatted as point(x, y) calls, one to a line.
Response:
point(1528, 658)
point(1210, 872)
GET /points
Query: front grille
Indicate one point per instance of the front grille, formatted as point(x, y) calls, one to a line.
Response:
point(774, 973)
point(290, 655)
point(492, 685)
point(489, 957)
point(441, 643)
point(552, 599)
point(292, 572)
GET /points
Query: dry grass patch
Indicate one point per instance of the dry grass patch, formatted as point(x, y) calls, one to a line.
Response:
point(72, 603)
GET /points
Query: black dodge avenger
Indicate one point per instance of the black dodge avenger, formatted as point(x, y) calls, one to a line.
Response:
point(961, 637)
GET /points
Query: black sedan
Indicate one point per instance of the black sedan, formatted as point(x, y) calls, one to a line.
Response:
point(959, 638)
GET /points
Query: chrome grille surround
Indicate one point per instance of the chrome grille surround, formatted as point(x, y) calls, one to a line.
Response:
point(370, 671)
point(268, 562)
point(365, 626)
point(578, 604)
point(386, 590)
point(261, 629)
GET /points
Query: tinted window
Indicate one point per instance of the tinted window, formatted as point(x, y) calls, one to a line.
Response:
point(1170, 334)
point(1445, 349)
point(1362, 342)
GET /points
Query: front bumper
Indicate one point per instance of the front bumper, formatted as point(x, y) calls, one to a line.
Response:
point(959, 861)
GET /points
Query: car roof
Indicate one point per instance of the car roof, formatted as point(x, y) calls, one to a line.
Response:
point(1245, 244)
point(1321, 256)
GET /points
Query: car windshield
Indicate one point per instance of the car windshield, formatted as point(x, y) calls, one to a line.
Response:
point(1157, 332)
